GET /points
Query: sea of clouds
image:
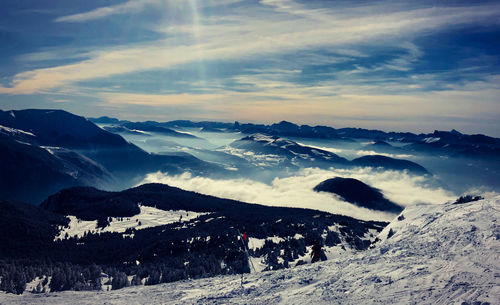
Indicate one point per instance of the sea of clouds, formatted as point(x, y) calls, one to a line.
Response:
point(297, 190)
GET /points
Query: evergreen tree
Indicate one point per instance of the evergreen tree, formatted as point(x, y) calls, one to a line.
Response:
point(120, 280)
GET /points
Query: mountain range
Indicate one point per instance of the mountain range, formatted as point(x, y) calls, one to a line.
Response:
point(452, 142)
point(98, 228)
point(46, 150)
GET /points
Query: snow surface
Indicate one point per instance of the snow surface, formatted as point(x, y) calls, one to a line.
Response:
point(256, 263)
point(15, 131)
point(264, 160)
point(256, 243)
point(431, 140)
point(437, 254)
point(140, 131)
point(271, 160)
point(329, 149)
point(147, 218)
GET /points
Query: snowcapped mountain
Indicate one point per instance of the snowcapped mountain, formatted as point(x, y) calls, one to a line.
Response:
point(142, 128)
point(30, 172)
point(264, 150)
point(429, 254)
point(277, 152)
point(46, 150)
point(148, 127)
point(384, 148)
point(454, 143)
point(60, 128)
point(449, 142)
point(461, 162)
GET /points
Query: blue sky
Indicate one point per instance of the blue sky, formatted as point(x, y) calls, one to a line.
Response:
point(391, 65)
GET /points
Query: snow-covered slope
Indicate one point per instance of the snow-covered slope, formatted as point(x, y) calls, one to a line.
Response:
point(436, 254)
point(273, 151)
point(147, 218)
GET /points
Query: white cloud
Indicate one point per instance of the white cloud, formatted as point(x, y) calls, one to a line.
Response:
point(123, 8)
point(235, 35)
point(132, 6)
point(374, 153)
point(158, 99)
point(297, 191)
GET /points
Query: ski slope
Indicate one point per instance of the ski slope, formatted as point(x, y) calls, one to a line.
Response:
point(436, 254)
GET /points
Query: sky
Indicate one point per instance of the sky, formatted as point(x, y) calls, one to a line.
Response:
point(391, 65)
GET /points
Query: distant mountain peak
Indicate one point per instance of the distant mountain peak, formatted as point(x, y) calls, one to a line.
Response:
point(105, 120)
point(286, 123)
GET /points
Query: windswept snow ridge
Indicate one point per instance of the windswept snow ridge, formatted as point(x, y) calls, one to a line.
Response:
point(431, 140)
point(435, 254)
point(15, 131)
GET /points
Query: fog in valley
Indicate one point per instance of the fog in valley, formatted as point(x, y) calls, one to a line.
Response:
point(265, 178)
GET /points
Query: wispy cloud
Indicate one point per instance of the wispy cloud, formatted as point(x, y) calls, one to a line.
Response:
point(124, 8)
point(158, 99)
point(240, 36)
point(135, 6)
point(61, 101)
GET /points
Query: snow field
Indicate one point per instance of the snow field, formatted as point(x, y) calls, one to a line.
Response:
point(147, 218)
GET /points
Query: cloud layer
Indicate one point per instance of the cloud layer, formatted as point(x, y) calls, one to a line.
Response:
point(297, 191)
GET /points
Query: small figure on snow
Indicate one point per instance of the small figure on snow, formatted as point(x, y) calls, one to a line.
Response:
point(316, 251)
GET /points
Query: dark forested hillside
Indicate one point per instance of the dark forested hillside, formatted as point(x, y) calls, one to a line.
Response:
point(205, 246)
point(358, 193)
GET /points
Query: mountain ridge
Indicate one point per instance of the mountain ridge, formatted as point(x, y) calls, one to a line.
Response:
point(84, 153)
